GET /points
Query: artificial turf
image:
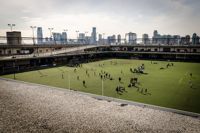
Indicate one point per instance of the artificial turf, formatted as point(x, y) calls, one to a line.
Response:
point(171, 87)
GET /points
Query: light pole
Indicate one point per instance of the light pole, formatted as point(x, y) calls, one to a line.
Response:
point(102, 87)
point(11, 26)
point(86, 33)
point(33, 27)
point(50, 30)
point(69, 79)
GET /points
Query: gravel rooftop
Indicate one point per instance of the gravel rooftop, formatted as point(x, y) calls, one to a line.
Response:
point(28, 107)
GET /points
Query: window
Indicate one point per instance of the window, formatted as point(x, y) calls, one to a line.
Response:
point(194, 50)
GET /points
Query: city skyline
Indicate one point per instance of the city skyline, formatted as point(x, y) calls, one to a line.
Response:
point(174, 17)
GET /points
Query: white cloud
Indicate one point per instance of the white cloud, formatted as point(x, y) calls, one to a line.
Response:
point(109, 16)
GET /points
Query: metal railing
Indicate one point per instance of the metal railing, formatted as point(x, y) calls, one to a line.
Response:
point(110, 41)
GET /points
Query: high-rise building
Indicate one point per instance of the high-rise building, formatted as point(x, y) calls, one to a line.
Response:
point(39, 35)
point(177, 39)
point(81, 38)
point(132, 38)
point(57, 38)
point(93, 36)
point(113, 39)
point(64, 38)
point(187, 39)
point(195, 39)
point(156, 37)
point(119, 39)
point(100, 37)
point(145, 39)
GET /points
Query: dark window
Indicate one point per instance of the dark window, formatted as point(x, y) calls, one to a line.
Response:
point(166, 49)
point(194, 50)
point(18, 51)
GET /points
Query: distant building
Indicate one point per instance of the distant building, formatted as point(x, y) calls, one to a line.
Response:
point(93, 36)
point(39, 35)
point(155, 37)
point(145, 39)
point(195, 39)
point(64, 38)
point(177, 39)
point(187, 39)
point(14, 38)
point(111, 39)
point(88, 40)
point(81, 38)
point(132, 38)
point(47, 40)
point(100, 37)
point(57, 38)
point(119, 39)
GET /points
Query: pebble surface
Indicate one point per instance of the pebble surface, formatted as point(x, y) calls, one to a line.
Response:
point(33, 108)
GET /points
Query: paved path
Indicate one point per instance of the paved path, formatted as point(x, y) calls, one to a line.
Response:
point(34, 108)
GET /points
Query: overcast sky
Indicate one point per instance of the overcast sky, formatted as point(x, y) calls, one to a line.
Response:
point(109, 16)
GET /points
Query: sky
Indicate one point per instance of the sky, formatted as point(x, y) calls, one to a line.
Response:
point(173, 17)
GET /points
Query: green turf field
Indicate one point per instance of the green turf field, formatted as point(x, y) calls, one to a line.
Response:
point(171, 87)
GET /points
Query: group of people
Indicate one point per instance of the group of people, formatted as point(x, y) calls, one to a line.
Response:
point(139, 69)
point(105, 75)
point(120, 90)
point(168, 65)
point(133, 82)
point(143, 91)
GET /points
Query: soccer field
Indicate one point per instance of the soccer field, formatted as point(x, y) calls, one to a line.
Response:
point(177, 86)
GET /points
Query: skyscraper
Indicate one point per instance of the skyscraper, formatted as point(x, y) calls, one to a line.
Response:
point(64, 38)
point(39, 35)
point(195, 39)
point(57, 38)
point(145, 39)
point(119, 39)
point(81, 38)
point(94, 36)
point(132, 38)
point(156, 37)
point(100, 39)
